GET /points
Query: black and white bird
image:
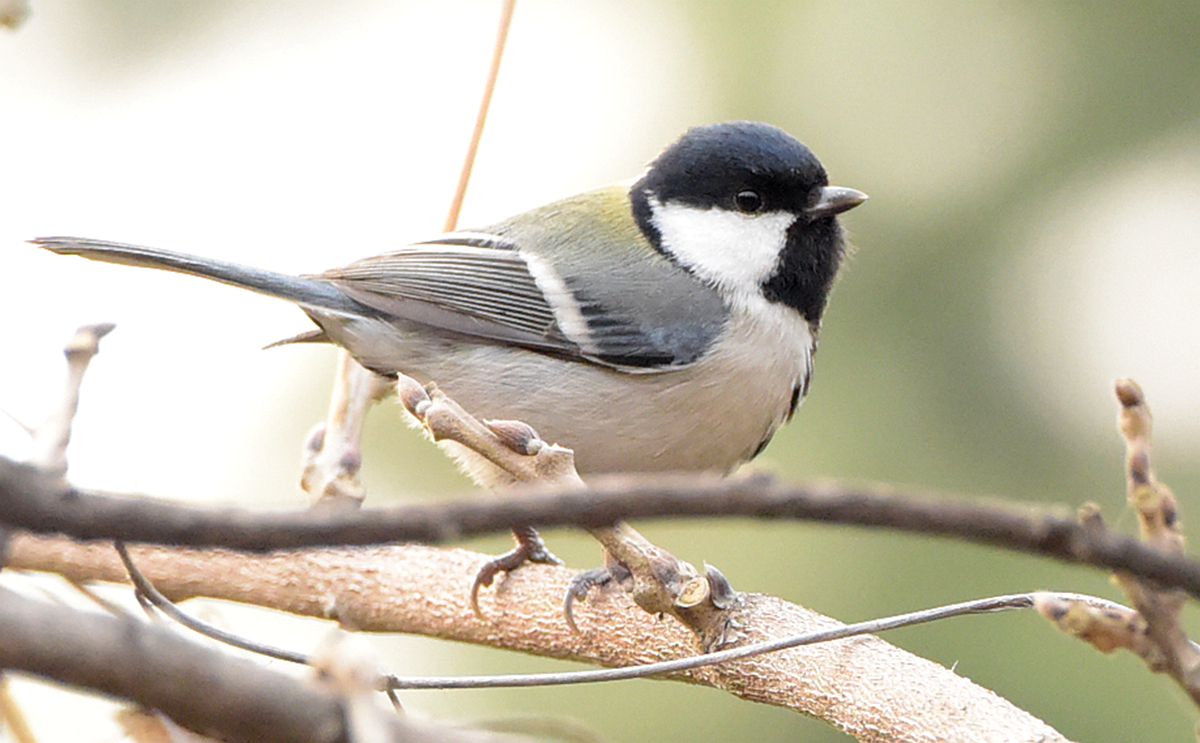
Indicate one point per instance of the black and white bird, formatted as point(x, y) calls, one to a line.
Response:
point(667, 325)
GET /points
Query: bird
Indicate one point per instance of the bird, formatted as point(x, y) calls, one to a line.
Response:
point(664, 325)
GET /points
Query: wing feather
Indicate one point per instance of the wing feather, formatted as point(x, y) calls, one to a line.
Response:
point(483, 291)
point(625, 307)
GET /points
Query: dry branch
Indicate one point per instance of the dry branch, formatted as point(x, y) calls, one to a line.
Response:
point(148, 664)
point(51, 438)
point(864, 686)
point(31, 501)
point(485, 104)
point(1152, 630)
point(12, 718)
point(333, 452)
point(121, 656)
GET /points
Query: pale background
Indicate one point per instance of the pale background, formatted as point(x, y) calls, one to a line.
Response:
point(1033, 233)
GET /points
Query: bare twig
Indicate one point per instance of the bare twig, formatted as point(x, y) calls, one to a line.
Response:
point(11, 716)
point(30, 500)
point(86, 591)
point(333, 452)
point(464, 177)
point(1105, 628)
point(158, 669)
point(146, 589)
point(989, 605)
point(51, 438)
point(1152, 629)
point(17, 422)
point(863, 686)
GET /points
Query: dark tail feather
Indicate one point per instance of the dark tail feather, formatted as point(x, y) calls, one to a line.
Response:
point(312, 293)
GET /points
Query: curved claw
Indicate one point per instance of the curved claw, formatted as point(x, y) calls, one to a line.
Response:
point(530, 548)
point(582, 584)
point(484, 577)
point(578, 589)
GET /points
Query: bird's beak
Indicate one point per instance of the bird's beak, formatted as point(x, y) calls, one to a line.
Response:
point(833, 200)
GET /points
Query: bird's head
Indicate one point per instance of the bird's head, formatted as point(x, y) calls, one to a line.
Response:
point(746, 207)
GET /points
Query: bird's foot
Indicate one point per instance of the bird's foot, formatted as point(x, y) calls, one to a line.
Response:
point(581, 585)
point(702, 602)
point(529, 548)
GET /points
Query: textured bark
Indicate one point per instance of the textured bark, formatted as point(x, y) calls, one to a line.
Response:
point(864, 686)
point(159, 669)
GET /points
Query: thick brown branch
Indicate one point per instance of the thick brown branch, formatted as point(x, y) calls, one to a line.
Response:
point(863, 686)
point(32, 501)
point(150, 665)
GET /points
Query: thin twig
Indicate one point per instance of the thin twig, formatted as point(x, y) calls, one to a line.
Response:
point(51, 438)
point(97, 599)
point(991, 604)
point(333, 451)
point(33, 501)
point(1152, 629)
point(464, 177)
point(156, 599)
point(18, 422)
point(11, 715)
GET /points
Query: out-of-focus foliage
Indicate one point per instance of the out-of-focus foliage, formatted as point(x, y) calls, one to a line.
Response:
point(1033, 233)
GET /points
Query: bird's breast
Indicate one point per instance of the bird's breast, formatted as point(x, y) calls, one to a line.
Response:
point(709, 416)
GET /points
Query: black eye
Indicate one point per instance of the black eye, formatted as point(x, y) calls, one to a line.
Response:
point(748, 201)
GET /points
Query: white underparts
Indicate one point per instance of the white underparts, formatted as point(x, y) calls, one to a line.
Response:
point(735, 251)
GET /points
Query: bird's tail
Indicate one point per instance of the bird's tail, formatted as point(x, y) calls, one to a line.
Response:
point(307, 292)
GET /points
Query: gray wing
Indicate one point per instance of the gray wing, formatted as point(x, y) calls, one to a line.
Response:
point(626, 303)
point(482, 292)
point(507, 288)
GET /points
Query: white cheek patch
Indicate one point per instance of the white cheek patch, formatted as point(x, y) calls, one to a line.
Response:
point(734, 250)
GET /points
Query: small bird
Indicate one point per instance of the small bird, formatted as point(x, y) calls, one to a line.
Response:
point(665, 326)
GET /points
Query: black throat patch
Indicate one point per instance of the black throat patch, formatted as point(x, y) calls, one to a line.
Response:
point(807, 268)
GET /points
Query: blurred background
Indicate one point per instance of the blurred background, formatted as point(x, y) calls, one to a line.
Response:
point(1032, 234)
